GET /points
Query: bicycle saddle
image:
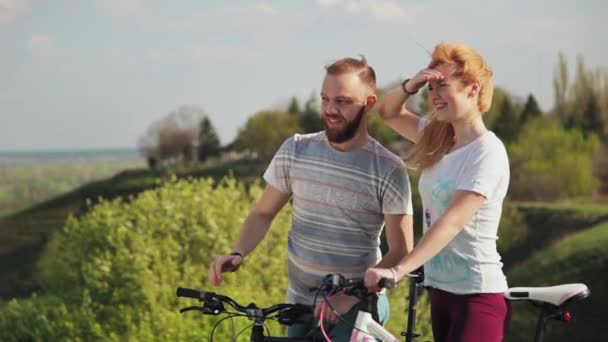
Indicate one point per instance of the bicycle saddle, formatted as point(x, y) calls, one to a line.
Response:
point(559, 295)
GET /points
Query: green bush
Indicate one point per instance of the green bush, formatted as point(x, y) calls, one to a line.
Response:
point(549, 162)
point(112, 274)
point(512, 230)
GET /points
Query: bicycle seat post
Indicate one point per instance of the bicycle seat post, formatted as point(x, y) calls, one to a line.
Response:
point(543, 317)
point(540, 327)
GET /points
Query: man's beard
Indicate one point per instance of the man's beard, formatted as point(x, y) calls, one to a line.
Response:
point(339, 136)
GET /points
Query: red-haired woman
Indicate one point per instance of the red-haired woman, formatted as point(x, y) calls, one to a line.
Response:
point(464, 179)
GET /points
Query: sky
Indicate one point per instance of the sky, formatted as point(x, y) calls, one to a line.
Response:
point(95, 74)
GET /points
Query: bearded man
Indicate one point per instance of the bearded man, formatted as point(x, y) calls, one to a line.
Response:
point(346, 187)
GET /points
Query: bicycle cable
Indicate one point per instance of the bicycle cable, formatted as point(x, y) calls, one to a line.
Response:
point(229, 315)
point(347, 322)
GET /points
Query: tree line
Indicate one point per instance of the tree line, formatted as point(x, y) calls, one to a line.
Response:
point(562, 152)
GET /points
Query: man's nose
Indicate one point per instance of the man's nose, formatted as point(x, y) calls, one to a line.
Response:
point(331, 108)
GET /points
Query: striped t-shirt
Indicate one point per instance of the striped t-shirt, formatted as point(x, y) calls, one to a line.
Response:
point(339, 199)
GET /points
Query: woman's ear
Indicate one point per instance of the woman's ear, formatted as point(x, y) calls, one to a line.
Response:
point(475, 87)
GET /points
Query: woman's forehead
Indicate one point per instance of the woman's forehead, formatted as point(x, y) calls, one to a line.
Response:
point(446, 69)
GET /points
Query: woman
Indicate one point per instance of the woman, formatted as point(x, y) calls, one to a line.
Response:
point(465, 175)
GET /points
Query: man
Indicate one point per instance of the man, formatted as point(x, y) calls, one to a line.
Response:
point(344, 185)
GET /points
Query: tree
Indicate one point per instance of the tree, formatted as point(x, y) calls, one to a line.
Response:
point(592, 121)
point(531, 110)
point(173, 137)
point(561, 83)
point(176, 143)
point(310, 119)
point(294, 106)
point(498, 97)
point(506, 125)
point(549, 162)
point(265, 131)
point(208, 142)
point(583, 103)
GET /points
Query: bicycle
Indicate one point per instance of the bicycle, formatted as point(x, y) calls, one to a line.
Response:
point(285, 314)
point(551, 302)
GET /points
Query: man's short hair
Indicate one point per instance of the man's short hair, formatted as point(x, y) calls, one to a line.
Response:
point(352, 65)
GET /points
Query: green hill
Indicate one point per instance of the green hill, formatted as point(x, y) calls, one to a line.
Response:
point(24, 235)
point(579, 258)
point(544, 224)
point(111, 274)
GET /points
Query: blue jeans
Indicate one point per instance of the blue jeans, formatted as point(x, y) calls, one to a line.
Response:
point(341, 331)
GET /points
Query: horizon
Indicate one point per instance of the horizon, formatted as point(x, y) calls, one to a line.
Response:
point(68, 150)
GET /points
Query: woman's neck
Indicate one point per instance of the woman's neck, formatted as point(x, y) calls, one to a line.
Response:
point(466, 131)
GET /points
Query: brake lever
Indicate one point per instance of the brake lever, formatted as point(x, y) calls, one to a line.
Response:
point(207, 310)
point(191, 308)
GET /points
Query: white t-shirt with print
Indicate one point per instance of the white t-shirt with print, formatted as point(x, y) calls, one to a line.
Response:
point(470, 263)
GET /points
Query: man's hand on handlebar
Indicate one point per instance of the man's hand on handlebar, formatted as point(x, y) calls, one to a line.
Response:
point(222, 264)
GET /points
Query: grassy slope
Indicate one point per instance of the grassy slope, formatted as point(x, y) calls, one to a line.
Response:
point(581, 257)
point(549, 223)
point(24, 235)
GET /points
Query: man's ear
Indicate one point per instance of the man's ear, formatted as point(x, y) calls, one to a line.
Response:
point(370, 102)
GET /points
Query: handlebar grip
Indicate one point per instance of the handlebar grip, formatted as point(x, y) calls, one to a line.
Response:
point(190, 293)
point(386, 283)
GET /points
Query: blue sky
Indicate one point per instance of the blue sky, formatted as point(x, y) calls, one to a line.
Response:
point(95, 74)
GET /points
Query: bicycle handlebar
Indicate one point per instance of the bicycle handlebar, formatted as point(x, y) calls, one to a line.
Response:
point(214, 305)
point(190, 293)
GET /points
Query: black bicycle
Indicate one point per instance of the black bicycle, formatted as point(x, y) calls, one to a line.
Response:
point(285, 314)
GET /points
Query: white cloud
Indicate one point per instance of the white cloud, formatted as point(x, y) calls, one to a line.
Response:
point(122, 8)
point(204, 53)
point(266, 8)
point(10, 10)
point(380, 9)
point(248, 17)
point(41, 44)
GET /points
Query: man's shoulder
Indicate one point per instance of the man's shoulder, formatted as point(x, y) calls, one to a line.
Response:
point(308, 138)
point(383, 153)
point(307, 142)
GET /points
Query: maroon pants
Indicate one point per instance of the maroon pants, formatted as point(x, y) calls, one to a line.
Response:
point(469, 318)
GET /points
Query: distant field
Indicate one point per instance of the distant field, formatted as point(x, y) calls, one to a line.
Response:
point(66, 156)
point(582, 206)
point(30, 178)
